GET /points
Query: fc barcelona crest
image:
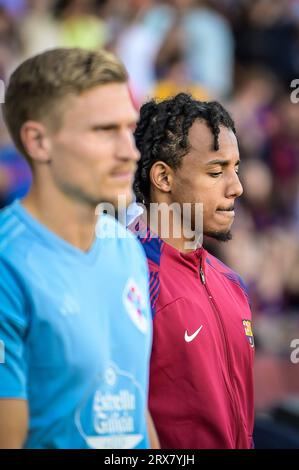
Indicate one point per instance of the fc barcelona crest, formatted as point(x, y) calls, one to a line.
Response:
point(248, 332)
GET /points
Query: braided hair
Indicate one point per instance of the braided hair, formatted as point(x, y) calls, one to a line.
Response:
point(162, 133)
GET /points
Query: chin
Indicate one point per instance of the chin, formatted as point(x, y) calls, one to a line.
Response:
point(220, 235)
point(119, 200)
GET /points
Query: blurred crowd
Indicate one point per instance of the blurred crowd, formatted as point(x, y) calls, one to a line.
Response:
point(244, 53)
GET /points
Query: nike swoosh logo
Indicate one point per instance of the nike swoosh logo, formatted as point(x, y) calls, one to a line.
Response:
point(188, 338)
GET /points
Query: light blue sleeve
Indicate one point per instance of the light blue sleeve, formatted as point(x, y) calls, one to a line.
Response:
point(13, 326)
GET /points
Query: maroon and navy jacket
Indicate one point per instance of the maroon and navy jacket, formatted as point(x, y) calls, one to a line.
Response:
point(201, 377)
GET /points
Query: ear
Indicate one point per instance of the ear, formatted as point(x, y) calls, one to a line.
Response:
point(35, 139)
point(161, 177)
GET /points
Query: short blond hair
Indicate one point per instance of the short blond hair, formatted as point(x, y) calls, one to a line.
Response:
point(38, 86)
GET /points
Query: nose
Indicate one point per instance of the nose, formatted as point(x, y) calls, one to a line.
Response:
point(234, 187)
point(126, 148)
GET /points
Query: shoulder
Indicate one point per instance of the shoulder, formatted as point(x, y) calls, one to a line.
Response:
point(8, 219)
point(11, 229)
point(152, 244)
point(227, 272)
point(123, 242)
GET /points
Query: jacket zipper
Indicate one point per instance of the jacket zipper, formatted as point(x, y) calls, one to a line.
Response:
point(228, 359)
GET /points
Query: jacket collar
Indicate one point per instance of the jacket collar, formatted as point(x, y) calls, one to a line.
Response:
point(154, 246)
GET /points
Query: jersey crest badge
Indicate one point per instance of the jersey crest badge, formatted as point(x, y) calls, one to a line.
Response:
point(248, 332)
point(135, 305)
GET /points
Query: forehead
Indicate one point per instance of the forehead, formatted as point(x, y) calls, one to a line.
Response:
point(110, 103)
point(201, 142)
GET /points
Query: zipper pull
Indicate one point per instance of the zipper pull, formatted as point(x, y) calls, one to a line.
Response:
point(202, 275)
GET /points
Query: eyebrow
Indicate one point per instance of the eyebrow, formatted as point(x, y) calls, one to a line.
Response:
point(111, 125)
point(105, 127)
point(222, 163)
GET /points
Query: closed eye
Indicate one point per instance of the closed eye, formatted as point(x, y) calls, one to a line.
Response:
point(105, 128)
point(215, 175)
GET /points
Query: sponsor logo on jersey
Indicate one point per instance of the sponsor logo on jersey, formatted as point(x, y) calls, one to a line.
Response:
point(111, 413)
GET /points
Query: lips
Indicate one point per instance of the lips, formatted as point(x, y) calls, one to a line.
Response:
point(229, 212)
point(123, 170)
point(123, 174)
point(229, 209)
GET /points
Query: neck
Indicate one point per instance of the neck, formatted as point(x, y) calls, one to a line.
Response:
point(71, 220)
point(170, 228)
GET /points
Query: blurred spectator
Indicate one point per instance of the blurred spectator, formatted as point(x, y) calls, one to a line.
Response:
point(15, 8)
point(10, 44)
point(206, 39)
point(153, 32)
point(282, 157)
point(38, 29)
point(268, 35)
point(15, 175)
point(254, 110)
point(79, 25)
point(176, 79)
point(140, 34)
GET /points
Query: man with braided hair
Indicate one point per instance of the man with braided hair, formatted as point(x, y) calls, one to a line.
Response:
point(201, 385)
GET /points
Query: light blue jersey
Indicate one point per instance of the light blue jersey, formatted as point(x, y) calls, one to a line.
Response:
point(75, 333)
